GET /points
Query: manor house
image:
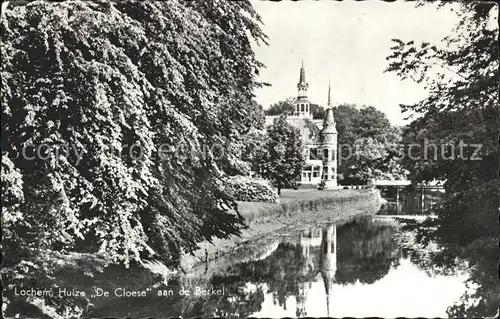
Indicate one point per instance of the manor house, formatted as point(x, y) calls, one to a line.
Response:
point(319, 138)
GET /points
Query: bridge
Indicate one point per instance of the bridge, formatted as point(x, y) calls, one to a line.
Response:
point(404, 183)
point(420, 194)
point(391, 183)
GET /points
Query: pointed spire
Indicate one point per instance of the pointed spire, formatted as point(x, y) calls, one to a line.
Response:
point(302, 78)
point(329, 125)
point(329, 94)
point(302, 85)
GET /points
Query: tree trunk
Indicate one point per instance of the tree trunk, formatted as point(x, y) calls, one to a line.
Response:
point(279, 189)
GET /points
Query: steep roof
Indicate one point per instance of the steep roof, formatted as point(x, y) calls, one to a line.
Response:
point(302, 78)
point(329, 125)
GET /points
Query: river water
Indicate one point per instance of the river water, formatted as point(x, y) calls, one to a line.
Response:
point(367, 266)
point(362, 267)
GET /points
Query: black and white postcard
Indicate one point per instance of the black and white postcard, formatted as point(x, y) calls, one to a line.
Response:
point(235, 159)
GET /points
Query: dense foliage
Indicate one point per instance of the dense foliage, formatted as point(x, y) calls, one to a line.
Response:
point(286, 107)
point(368, 145)
point(124, 101)
point(282, 107)
point(281, 159)
point(250, 190)
point(462, 109)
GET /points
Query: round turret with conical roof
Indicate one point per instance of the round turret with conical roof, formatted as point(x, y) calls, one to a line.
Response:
point(328, 146)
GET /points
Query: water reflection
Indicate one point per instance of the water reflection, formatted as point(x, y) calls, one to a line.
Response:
point(407, 201)
point(355, 269)
point(326, 241)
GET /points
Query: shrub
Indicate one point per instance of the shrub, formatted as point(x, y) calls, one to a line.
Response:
point(247, 189)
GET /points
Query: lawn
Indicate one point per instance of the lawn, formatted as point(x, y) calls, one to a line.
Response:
point(290, 195)
point(295, 199)
point(248, 209)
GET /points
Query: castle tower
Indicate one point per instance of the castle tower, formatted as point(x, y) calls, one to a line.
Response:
point(302, 85)
point(329, 261)
point(329, 147)
point(302, 104)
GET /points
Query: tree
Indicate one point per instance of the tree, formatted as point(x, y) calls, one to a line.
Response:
point(317, 111)
point(283, 107)
point(371, 123)
point(375, 159)
point(462, 108)
point(368, 145)
point(236, 156)
point(255, 146)
point(282, 158)
point(345, 116)
point(117, 81)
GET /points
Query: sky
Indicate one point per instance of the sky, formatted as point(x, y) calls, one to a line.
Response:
point(346, 43)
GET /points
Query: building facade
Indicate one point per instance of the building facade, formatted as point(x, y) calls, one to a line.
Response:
point(319, 137)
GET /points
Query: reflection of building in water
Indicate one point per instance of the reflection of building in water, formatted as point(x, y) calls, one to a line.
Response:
point(325, 243)
point(329, 260)
point(307, 240)
point(304, 288)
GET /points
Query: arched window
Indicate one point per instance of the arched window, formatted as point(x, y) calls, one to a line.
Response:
point(302, 107)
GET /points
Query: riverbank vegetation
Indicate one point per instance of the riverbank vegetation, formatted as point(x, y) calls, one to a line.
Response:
point(462, 108)
point(141, 91)
point(314, 205)
point(243, 188)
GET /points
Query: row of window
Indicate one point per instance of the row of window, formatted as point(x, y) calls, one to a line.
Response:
point(315, 155)
point(307, 176)
point(303, 107)
point(315, 170)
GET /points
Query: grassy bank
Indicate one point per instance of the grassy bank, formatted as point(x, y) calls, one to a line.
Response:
point(296, 209)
